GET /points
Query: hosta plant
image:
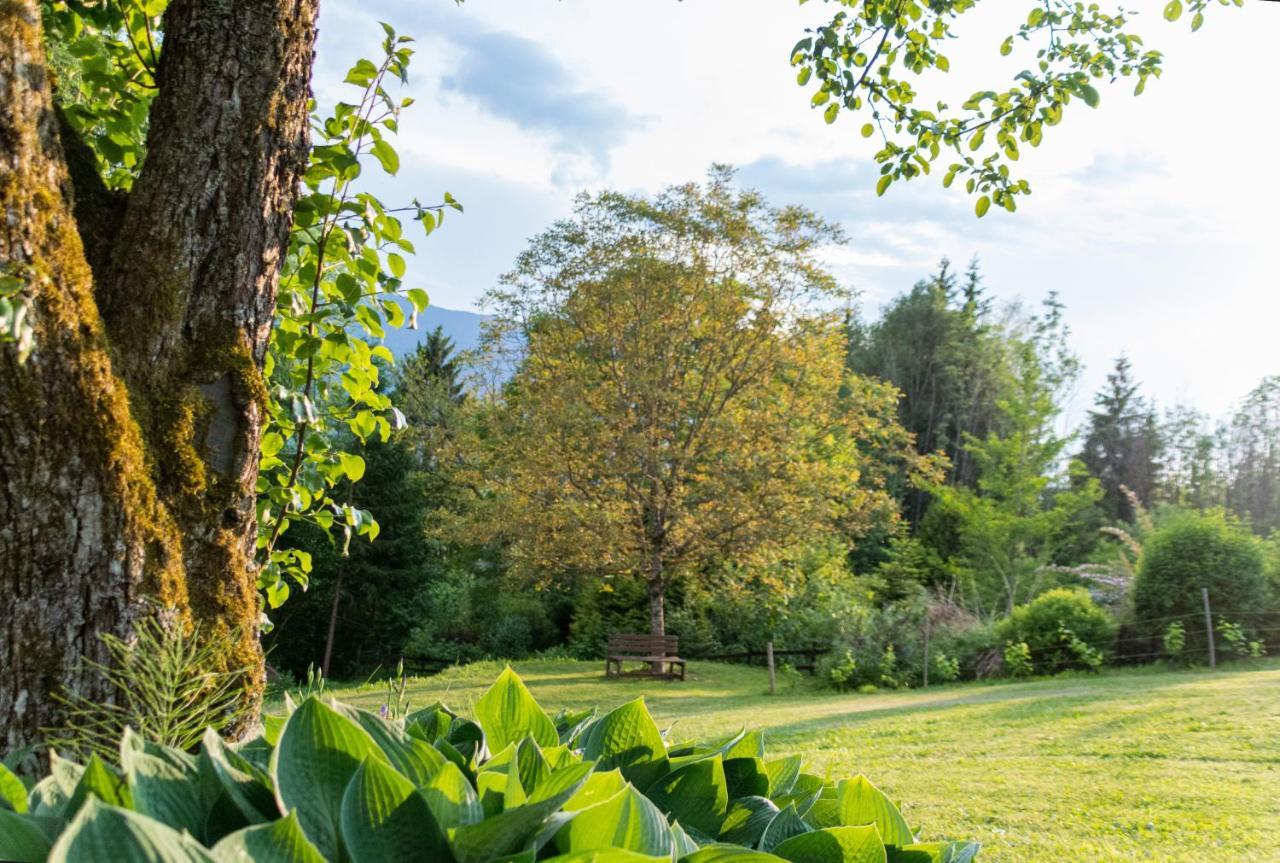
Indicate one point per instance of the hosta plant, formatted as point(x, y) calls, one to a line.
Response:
point(330, 782)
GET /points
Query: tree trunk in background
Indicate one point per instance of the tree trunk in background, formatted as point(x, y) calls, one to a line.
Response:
point(129, 438)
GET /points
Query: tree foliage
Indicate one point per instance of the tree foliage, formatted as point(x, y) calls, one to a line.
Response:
point(674, 398)
point(1122, 445)
point(867, 58)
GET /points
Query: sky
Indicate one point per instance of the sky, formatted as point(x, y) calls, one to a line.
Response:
point(1154, 218)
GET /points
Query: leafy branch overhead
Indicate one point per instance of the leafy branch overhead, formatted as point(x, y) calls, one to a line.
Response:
point(867, 59)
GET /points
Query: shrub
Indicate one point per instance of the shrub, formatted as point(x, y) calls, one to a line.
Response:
point(1063, 628)
point(332, 782)
point(1017, 659)
point(1189, 553)
point(1174, 640)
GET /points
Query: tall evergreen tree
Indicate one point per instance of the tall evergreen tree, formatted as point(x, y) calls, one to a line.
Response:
point(1122, 445)
point(1253, 457)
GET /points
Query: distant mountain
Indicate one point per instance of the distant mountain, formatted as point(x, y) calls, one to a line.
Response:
point(462, 327)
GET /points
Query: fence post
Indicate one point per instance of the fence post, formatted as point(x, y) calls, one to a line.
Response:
point(927, 622)
point(1208, 627)
point(768, 653)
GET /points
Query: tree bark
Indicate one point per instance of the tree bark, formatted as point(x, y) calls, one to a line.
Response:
point(129, 438)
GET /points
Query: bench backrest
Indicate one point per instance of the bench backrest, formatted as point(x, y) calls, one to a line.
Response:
point(644, 645)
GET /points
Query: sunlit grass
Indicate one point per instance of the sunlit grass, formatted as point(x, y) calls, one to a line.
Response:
point(1122, 766)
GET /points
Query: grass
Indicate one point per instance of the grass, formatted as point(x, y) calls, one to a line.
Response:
point(1124, 766)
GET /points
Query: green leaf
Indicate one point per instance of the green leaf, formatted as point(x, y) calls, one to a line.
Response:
point(783, 773)
point(868, 130)
point(883, 183)
point(281, 841)
point(629, 739)
point(246, 785)
point(606, 855)
point(508, 832)
point(747, 819)
point(386, 156)
point(167, 786)
point(981, 207)
point(832, 111)
point(102, 782)
point(599, 786)
point(508, 713)
point(451, 798)
point(747, 777)
point(396, 264)
point(352, 465)
point(13, 793)
point(696, 794)
point(627, 820)
point(863, 803)
point(835, 845)
point(318, 753)
point(720, 853)
point(384, 818)
point(419, 298)
point(417, 760)
point(1173, 10)
point(26, 838)
point(749, 744)
point(784, 826)
point(935, 852)
point(107, 833)
point(1090, 95)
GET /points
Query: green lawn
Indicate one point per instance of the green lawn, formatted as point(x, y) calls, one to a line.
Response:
point(1119, 767)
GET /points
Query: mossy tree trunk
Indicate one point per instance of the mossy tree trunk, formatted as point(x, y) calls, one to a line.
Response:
point(129, 437)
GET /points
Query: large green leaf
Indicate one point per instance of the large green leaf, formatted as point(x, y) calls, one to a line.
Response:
point(102, 833)
point(749, 744)
point(318, 753)
point(384, 818)
point(102, 782)
point(416, 759)
point(508, 713)
point(934, 852)
point(246, 785)
point(451, 798)
point(863, 803)
point(721, 853)
point(695, 794)
point(599, 786)
point(834, 845)
point(747, 819)
point(626, 820)
point(606, 855)
point(13, 794)
point(510, 831)
point(26, 838)
point(784, 825)
point(783, 773)
point(281, 841)
point(629, 739)
point(746, 776)
point(165, 786)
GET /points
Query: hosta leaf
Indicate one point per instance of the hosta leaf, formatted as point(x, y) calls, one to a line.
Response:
point(166, 787)
point(318, 753)
point(417, 760)
point(628, 738)
point(246, 785)
point(102, 833)
point(784, 826)
point(384, 818)
point(626, 820)
point(532, 766)
point(783, 773)
point(102, 782)
point(834, 845)
point(934, 852)
point(606, 855)
point(599, 786)
point(26, 838)
point(862, 803)
point(746, 777)
point(749, 744)
point(281, 841)
point(695, 794)
point(13, 794)
point(734, 853)
point(682, 843)
point(747, 819)
point(451, 798)
point(508, 714)
point(510, 831)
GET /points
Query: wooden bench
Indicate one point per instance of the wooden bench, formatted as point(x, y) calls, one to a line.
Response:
point(660, 653)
